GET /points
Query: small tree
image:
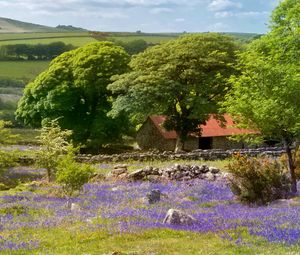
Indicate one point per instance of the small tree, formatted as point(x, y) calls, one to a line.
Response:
point(72, 175)
point(54, 143)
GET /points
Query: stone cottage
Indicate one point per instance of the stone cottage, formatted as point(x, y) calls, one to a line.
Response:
point(152, 135)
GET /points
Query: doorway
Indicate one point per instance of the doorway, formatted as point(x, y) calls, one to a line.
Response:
point(205, 143)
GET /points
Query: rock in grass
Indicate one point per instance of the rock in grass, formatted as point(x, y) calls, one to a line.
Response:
point(75, 207)
point(153, 196)
point(118, 171)
point(214, 170)
point(137, 175)
point(177, 217)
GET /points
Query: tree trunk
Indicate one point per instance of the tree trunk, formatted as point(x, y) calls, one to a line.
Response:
point(290, 164)
point(49, 175)
point(179, 144)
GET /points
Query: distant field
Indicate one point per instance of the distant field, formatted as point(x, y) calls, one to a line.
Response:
point(16, 36)
point(159, 38)
point(22, 69)
point(77, 39)
point(149, 39)
point(11, 90)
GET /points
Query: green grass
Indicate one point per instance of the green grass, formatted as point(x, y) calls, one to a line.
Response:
point(77, 39)
point(67, 240)
point(25, 70)
point(26, 135)
point(21, 36)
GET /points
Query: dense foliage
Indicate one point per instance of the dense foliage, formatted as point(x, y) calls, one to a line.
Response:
point(266, 95)
point(258, 180)
point(73, 90)
point(33, 51)
point(7, 158)
point(133, 47)
point(182, 79)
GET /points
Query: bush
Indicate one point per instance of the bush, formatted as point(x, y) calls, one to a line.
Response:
point(7, 159)
point(72, 175)
point(258, 180)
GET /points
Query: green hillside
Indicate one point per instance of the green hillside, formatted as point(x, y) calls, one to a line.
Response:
point(15, 26)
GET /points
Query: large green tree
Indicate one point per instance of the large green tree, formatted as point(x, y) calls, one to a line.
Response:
point(73, 90)
point(182, 79)
point(266, 96)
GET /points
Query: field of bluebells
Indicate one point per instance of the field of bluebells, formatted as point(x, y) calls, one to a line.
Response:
point(122, 209)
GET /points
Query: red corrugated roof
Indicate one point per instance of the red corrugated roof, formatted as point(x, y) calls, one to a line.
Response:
point(212, 128)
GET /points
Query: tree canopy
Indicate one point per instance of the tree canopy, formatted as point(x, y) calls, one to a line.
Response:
point(73, 90)
point(266, 96)
point(182, 79)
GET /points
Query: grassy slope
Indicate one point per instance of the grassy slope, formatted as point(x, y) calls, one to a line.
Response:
point(15, 26)
point(22, 69)
point(77, 39)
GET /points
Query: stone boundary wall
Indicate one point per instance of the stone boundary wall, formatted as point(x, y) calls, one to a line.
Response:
point(194, 155)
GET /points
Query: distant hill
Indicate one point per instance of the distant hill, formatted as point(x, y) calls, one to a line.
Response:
point(15, 26)
point(70, 28)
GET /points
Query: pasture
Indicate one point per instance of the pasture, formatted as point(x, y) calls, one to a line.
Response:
point(115, 218)
point(76, 39)
point(23, 70)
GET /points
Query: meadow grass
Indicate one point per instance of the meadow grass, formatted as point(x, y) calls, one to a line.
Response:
point(27, 70)
point(20, 36)
point(74, 240)
point(76, 41)
point(41, 224)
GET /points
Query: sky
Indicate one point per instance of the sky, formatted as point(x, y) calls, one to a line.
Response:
point(249, 16)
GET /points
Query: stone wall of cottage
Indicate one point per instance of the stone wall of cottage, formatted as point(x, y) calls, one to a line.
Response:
point(191, 144)
point(149, 137)
point(224, 143)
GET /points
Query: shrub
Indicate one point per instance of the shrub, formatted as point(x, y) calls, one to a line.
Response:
point(258, 180)
point(72, 175)
point(54, 143)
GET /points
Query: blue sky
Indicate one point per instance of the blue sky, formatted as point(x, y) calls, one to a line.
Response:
point(145, 15)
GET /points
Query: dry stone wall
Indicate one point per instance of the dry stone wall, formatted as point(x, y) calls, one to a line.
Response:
point(176, 172)
point(194, 155)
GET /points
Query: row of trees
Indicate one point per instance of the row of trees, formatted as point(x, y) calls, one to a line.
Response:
point(96, 91)
point(33, 52)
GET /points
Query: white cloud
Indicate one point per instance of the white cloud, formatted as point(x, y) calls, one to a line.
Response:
point(252, 14)
point(218, 27)
point(179, 20)
point(243, 14)
point(225, 14)
point(223, 5)
point(160, 10)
